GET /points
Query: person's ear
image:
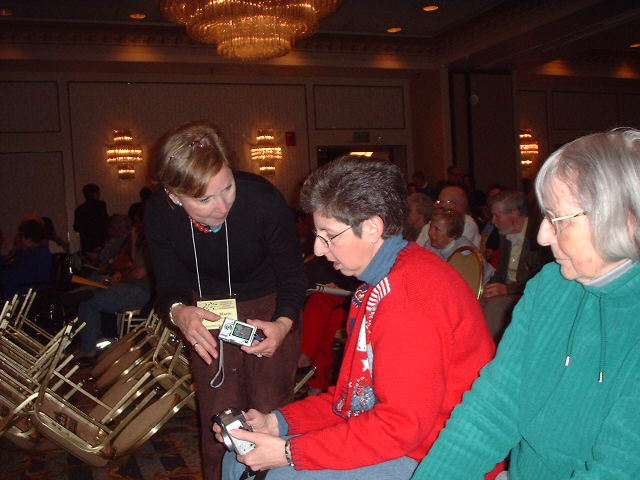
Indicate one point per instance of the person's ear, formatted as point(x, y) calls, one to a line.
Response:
point(173, 197)
point(372, 229)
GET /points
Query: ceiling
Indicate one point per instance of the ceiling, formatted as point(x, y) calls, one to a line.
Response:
point(464, 34)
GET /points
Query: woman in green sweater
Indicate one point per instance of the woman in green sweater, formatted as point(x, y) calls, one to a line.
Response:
point(562, 396)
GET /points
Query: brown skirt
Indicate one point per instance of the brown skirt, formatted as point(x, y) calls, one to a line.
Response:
point(249, 382)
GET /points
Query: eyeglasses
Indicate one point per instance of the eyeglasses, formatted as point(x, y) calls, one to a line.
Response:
point(443, 203)
point(553, 220)
point(327, 241)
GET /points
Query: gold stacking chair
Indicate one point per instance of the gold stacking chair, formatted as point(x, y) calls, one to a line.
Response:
point(468, 261)
point(124, 357)
point(98, 430)
point(19, 388)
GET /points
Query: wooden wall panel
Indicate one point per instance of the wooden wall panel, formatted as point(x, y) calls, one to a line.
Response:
point(358, 107)
point(584, 110)
point(29, 107)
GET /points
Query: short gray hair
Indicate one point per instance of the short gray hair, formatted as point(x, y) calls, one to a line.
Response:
point(603, 171)
point(509, 200)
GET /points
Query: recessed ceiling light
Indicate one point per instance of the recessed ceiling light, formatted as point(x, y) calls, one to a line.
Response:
point(430, 8)
point(394, 29)
point(6, 12)
point(138, 16)
point(634, 45)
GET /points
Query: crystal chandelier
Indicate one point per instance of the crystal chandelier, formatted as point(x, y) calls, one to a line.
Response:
point(124, 153)
point(249, 29)
point(266, 152)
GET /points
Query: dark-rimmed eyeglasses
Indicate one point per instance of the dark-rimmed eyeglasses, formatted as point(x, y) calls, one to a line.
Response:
point(327, 241)
point(553, 220)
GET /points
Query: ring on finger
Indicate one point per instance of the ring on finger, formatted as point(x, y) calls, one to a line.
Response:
point(195, 345)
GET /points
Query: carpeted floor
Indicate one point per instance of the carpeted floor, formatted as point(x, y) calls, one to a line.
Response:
point(172, 453)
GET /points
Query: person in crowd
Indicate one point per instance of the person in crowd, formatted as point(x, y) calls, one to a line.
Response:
point(445, 233)
point(29, 263)
point(420, 209)
point(563, 390)
point(136, 210)
point(417, 340)
point(55, 243)
point(477, 198)
point(422, 184)
point(325, 313)
point(225, 235)
point(454, 178)
point(91, 219)
point(521, 257)
point(128, 287)
point(488, 232)
point(455, 198)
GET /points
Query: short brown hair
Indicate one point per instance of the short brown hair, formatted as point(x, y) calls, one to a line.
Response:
point(189, 156)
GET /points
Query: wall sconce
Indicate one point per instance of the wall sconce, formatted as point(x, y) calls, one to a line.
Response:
point(529, 148)
point(124, 153)
point(266, 152)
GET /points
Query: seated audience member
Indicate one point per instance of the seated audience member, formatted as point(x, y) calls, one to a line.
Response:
point(129, 287)
point(445, 233)
point(29, 263)
point(488, 231)
point(420, 209)
point(422, 184)
point(455, 198)
point(445, 236)
point(563, 391)
point(54, 242)
point(136, 210)
point(521, 257)
point(324, 314)
point(105, 261)
point(417, 339)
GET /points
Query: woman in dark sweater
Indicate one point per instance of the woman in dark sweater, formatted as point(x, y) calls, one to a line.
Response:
point(217, 234)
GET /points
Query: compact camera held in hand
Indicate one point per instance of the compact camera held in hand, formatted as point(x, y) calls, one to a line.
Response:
point(232, 419)
point(238, 333)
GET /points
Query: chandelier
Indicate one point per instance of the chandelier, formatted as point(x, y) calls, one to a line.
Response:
point(266, 152)
point(249, 29)
point(124, 153)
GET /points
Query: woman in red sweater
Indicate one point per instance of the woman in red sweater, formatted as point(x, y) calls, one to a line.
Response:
point(417, 340)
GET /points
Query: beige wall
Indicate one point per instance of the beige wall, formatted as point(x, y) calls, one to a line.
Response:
point(56, 127)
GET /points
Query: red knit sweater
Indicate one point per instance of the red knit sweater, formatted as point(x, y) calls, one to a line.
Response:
point(429, 341)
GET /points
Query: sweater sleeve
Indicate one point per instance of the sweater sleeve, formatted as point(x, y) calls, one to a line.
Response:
point(172, 279)
point(409, 399)
point(484, 427)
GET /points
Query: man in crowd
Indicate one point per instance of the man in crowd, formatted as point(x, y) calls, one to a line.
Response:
point(521, 257)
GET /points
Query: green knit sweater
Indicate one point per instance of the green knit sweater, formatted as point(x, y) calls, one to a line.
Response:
point(558, 422)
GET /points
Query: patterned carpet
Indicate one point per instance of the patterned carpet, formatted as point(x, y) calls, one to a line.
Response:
point(172, 453)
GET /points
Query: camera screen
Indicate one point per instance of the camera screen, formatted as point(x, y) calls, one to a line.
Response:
point(242, 331)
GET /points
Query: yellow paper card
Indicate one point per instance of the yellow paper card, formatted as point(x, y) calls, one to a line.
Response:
point(225, 307)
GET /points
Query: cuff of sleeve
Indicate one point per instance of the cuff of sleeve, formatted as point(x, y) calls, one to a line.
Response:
point(283, 425)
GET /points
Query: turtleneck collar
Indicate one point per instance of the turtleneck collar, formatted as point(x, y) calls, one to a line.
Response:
point(612, 275)
point(381, 264)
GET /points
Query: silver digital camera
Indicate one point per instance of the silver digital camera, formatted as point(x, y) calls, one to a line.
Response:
point(237, 332)
point(232, 419)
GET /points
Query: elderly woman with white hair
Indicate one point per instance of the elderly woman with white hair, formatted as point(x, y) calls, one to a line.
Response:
point(563, 393)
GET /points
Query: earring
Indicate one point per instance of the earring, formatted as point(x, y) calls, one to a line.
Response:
point(179, 203)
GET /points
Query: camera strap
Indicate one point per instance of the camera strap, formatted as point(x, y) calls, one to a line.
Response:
point(248, 473)
point(220, 373)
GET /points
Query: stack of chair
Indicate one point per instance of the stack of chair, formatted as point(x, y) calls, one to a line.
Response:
point(44, 394)
point(98, 429)
point(26, 354)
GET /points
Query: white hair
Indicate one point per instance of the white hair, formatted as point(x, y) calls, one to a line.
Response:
point(603, 172)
